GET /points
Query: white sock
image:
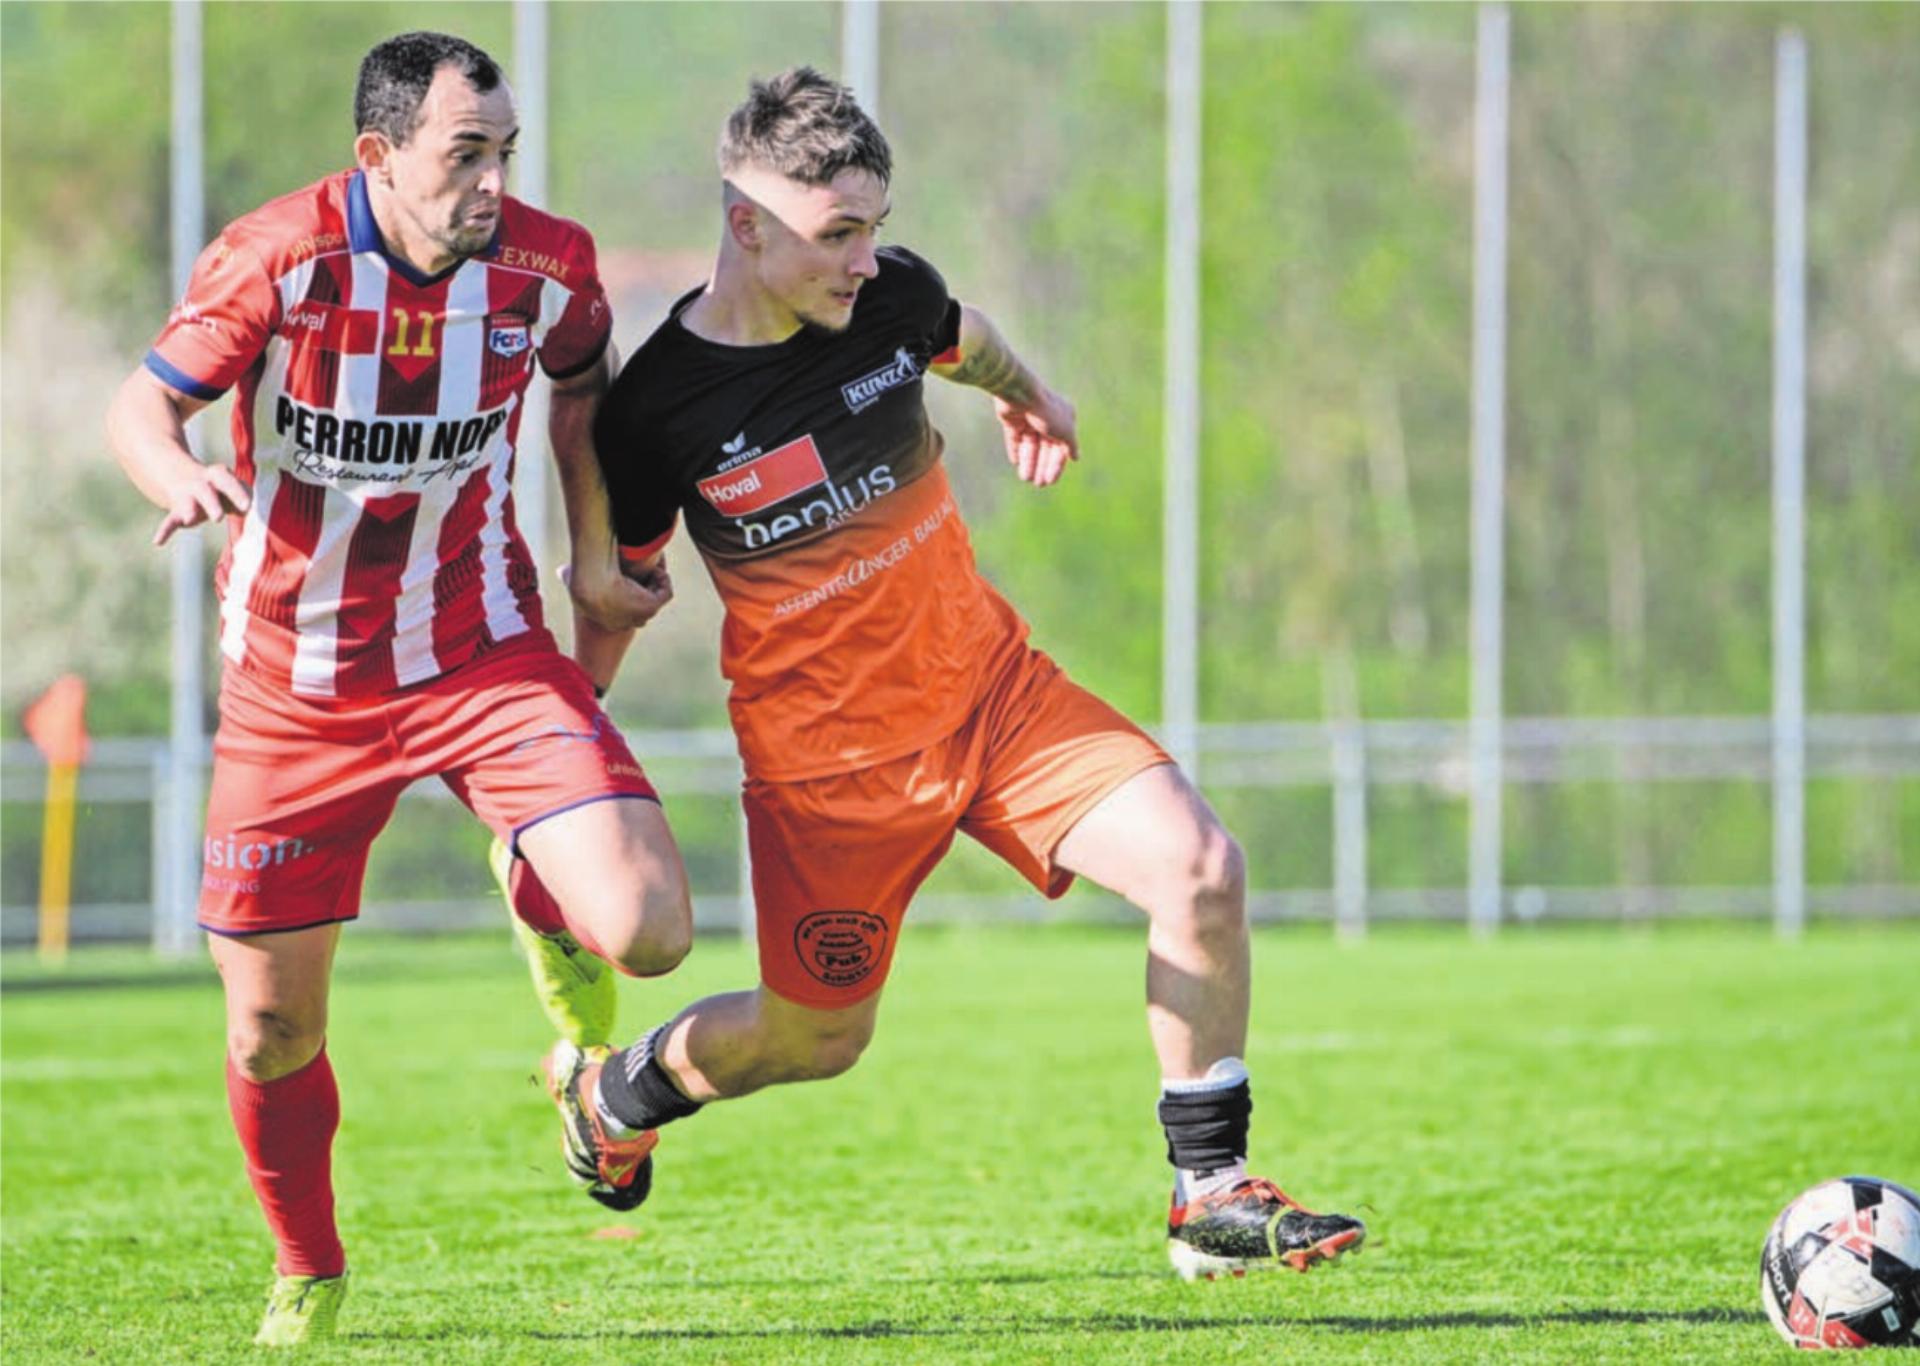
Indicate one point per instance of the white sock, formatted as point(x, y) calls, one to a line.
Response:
point(1222, 1076)
point(1193, 1185)
point(1188, 1185)
point(612, 1123)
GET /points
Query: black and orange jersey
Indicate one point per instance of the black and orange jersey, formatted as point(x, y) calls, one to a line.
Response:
point(858, 628)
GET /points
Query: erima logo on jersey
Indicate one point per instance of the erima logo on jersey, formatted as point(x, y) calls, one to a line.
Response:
point(864, 392)
point(737, 452)
point(189, 314)
point(744, 489)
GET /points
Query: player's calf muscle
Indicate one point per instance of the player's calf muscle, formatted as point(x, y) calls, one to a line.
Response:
point(735, 1044)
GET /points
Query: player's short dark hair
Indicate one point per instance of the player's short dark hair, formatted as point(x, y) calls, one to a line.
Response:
point(806, 127)
point(395, 75)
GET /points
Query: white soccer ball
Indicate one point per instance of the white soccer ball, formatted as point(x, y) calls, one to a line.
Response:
point(1841, 1266)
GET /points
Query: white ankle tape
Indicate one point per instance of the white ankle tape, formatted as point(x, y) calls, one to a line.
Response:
point(1222, 1076)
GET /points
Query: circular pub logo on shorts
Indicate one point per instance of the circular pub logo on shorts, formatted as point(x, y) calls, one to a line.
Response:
point(841, 948)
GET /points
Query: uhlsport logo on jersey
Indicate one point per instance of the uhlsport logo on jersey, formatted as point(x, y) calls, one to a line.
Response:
point(864, 392)
point(772, 478)
point(508, 339)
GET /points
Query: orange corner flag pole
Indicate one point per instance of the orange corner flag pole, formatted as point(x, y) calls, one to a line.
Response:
point(56, 723)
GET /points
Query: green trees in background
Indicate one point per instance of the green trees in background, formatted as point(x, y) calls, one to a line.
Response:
point(1337, 212)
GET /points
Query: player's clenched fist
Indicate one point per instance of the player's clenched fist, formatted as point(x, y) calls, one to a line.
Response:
point(206, 494)
point(620, 602)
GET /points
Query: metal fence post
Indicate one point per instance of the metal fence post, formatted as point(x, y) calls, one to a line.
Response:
point(860, 52)
point(1349, 829)
point(1489, 467)
point(531, 462)
point(1180, 484)
point(175, 900)
point(1789, 483)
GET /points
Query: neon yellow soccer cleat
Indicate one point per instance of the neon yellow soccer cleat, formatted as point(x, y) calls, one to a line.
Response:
point(301, 1309)
point(575, 989)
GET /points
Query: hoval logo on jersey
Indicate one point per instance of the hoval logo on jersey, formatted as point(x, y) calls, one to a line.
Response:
point(864, 392)
point(508, 339)
point(774, 477)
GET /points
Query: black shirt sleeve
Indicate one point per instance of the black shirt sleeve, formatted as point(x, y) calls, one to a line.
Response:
point(930, 310)
point(644, 504)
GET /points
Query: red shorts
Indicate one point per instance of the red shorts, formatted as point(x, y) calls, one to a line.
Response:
point(837, 859)
point(301, 786)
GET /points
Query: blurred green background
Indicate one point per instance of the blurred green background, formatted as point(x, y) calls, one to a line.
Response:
point(1337, 201)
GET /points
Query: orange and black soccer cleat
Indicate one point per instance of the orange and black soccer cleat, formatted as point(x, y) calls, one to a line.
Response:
point(1251, 1225)
point(618, 1172)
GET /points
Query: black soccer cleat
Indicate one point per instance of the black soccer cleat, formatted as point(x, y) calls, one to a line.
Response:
point(1252, 1225)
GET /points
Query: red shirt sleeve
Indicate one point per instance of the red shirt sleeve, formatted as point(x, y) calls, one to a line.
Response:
point(577, 340)
point(222, 324)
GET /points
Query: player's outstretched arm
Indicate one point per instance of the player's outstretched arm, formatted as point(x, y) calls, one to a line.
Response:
point(147, 432)
point(1036, 423)
point(612, 600)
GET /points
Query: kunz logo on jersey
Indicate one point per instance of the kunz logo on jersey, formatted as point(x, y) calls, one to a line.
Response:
point(866, 391)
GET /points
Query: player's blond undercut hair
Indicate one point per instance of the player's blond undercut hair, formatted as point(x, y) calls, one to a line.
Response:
point(806, 127)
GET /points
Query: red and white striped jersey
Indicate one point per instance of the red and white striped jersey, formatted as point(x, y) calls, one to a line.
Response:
point(376, 421)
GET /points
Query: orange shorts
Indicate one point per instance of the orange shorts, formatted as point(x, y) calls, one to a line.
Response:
point(301, 786)
point(837, 859)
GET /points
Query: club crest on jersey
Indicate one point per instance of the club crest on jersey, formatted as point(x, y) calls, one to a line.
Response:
point(864, 392)
point(508, 339)
point(758, 484)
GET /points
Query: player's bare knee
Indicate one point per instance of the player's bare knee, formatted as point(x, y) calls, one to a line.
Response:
point(268, 1044)
point(1223, 869)
point(816, 1056)
point(836, 1051)
point(643, 939)
point(833, 1054)
point(651, 953)
point(658, 941)
point(1213, 903)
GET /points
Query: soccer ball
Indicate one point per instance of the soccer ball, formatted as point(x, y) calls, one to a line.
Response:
point(1841, 1267)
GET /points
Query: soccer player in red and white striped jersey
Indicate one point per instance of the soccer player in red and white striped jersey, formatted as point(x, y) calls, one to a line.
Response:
point(380, 619)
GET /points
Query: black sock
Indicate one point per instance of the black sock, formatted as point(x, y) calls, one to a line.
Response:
point(636, 1089)
point(1206, 1130)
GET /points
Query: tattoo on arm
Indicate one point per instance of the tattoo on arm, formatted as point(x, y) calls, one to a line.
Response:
point(991, 364)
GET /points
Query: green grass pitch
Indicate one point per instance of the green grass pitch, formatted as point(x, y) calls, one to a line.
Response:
point(1568, 1145)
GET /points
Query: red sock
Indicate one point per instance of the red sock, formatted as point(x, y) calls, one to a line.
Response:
point(534, 904)
point(286, 1130)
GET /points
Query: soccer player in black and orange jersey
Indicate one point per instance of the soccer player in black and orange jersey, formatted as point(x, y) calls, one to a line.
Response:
point(884, 695)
